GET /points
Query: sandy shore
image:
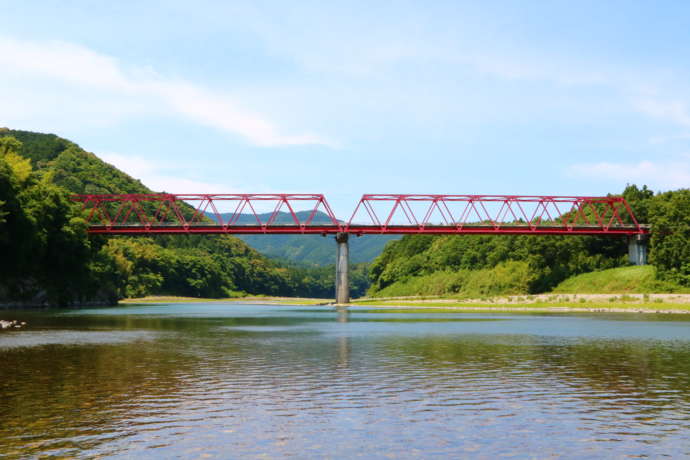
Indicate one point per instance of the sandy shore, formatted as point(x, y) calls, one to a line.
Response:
point(641, 303)
point(262, 300)
point(543, 298)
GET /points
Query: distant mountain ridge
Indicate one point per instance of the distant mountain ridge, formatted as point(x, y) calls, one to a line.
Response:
point(307, 249)
point(282, 217)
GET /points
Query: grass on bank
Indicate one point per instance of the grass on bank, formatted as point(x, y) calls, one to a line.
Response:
point(512, 278)
point(639, 280)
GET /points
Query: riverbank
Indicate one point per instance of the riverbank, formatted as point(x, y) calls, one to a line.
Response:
point(642, 303)
point(262, 300)
point(630, 303)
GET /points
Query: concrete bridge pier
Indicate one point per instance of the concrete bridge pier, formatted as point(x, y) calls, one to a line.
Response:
point(342, 262)
point(637, 249)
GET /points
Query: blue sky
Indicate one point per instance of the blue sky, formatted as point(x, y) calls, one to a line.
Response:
point(346, 98)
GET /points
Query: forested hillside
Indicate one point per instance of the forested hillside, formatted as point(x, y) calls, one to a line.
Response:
point(48, 258)
point(491, 265)
point(315, 249)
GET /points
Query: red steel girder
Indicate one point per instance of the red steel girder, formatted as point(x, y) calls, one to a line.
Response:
point(454, 214)
point(170, 213)
point(511, 214)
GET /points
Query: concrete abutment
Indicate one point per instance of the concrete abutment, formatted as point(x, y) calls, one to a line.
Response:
point(637, 249)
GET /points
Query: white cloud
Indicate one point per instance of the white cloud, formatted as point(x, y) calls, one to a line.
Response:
point(392, 53)
point(665, 139)
point(674, 111)
point(658, 175)
point(532, 68)
point(212, 109)
point(163, 178)
point(51, 80)
point(135, 166)
point(154, 177)
point(63, 61)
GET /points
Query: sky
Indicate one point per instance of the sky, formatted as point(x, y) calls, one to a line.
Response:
point(347, 98)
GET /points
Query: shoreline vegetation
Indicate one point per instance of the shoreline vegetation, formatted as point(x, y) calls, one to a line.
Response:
point(622, 289)
point(604, 303)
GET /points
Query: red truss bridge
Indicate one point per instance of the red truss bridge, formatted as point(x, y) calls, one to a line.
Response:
point(374, 214)
point(271, 214)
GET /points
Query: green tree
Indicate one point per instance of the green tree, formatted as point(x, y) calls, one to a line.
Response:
point(669, 248)
point(639, 199)
point(9, 144)
point(43, 239)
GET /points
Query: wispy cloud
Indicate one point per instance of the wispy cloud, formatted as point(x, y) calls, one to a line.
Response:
point(394, 55)
point(67, 72)
point(161, 177)
point(154, 176)
point(674, 111)
point(666, 139)
point(658, 175)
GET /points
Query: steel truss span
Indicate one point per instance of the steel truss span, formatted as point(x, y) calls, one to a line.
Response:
point(375, 214)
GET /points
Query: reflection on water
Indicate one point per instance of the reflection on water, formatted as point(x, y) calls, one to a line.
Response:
point(252, 381)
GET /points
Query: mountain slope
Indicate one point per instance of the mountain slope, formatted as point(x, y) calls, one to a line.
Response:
point(315, 249)
point(308, 249)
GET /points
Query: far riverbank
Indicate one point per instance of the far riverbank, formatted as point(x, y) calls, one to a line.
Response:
point(607, 303)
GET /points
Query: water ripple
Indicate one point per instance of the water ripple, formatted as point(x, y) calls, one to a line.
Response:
point(255, 386)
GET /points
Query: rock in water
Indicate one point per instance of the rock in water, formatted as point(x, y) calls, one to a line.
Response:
point(8, 324)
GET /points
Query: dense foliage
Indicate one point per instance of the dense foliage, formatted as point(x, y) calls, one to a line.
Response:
point(49, 259)
point(47, 256)
point(315, 249)
point(669, 215)
point(424, 264)
point(319, 282)
point(544, 261)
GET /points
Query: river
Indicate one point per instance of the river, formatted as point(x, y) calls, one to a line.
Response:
point(213, 380)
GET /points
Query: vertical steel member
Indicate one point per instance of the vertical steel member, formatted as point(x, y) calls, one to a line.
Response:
point(342, 284)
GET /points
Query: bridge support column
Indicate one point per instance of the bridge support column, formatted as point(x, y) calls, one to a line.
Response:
point(342, 282)
point(637, 249)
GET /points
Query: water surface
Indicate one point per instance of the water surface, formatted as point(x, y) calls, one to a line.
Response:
point(248, 381)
